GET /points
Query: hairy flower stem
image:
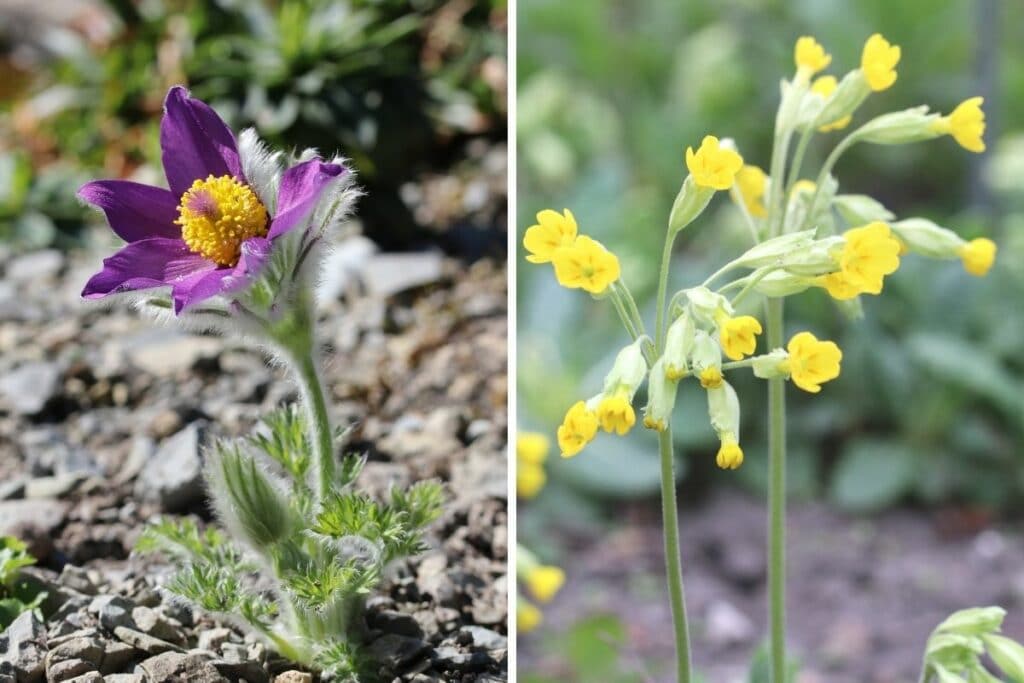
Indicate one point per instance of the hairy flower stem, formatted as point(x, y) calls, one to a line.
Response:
point(673, 563)
point(669, 513)
point(776, 500)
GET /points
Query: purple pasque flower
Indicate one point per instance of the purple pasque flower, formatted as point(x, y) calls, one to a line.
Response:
point(210, 233)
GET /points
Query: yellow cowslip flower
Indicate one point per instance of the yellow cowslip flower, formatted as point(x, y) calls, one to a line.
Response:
point(812, 362)
point(752, 183)
point(530, 479)
point(711, 377)
point(532, 447)
point(616, 414)
point(803, 185)
point(577, 429)
point(528, 616)
point(712, 166)
point(738, 335)
point(586, 265)
point(878, 62)
point(552, 232)
point(825, 86)
point(810, 56)
point(966, 124)
point(730, 455)
point(978, 255)
point(869, 253)
point(544, 581)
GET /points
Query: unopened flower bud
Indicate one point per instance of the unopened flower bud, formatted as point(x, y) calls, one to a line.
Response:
point(925, 237)
point(772, 250)
point(708, 305)
point(844, 100)
point(860, 209)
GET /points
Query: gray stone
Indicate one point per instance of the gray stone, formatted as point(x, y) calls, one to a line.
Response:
point(91, 677)
point(30, 387)
point(164, 353)
point(43, 488)
point(294, 677)
point(123, 678)
point(23, 644)
point(212, 639)
point(726, 625)
point(150, 622)
point(396, 651)
point(78, 579)
point(146, 643)
point(116, 656)
point(113, 611)
point(34, 266)
point(173, 476)
point(484, 638)
point(248, 670)
point(391, 621)
point(12, 489)
point(87, 649)
point(34, 521)
point(388, 274)
point(66, 669)
point(177, 666)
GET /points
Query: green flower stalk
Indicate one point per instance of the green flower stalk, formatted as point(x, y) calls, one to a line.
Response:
point(235, 247)
point(796, 247)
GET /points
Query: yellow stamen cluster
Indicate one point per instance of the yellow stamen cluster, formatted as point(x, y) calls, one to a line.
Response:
point(869, 254)
point(217, 214)
point(577, 429)
point(752, 183)
point(579, 261)
point(812, 362)
point(713, 166)
point(531, 452)
point(810, 56)
point(878, 62)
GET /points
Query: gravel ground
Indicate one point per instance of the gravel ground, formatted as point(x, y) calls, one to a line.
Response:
point(103, 419)
point(863, 593)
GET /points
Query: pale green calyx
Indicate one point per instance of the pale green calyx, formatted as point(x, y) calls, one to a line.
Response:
point(771, 365)
point(922, 236)
point(776, 249)
point(708, 305)
point(900, 127)
point(724, 411)
point(691, 200)
point(844, 100)
point(661, 397)
point(860, 209)
point(679, 343)
point(628, 371)
point(706, 352)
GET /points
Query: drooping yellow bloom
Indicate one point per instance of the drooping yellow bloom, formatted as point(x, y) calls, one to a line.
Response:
point(544, 581)
point(586, 265)
point(966, 124)
point(532, 447)
point(878, 62)
point(825, 86)
point(810, 56)
point(730, 455)
point(616, 414)
point(978, 255)
point(552, 232)
point(752, 183)
point(528, 616)
point(712, 166)
point(812, 362)
point(577, 429)
point(869, 254)
point(739, 336)
point(711, 377)
point(530, 479)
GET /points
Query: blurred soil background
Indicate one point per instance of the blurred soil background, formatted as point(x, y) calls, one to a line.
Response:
point(906, 474)
point(103, 417)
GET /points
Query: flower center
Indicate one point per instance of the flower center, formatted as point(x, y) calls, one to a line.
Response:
point(217, 214)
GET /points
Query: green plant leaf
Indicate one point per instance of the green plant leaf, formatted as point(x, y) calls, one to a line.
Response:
point(1008, 656)
point(973, 621)
point(872, 474)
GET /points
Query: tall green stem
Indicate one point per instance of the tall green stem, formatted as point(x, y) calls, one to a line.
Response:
point(776, 499)
point(669, 513)
point(673, 563)
point(320, 423)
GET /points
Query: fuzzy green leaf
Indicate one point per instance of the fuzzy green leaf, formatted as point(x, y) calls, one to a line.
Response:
point(181, 540)
point(248, 500)
point(285, 440)
point(219, 589)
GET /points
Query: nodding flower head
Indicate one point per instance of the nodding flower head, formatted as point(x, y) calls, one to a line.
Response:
point(577, 429)
point(966, 124)
point(878, 62)
point(712, 165)
point(978, 255)
point(810, 56)
point(812, 362)
point(210, 234)
point(552, 232)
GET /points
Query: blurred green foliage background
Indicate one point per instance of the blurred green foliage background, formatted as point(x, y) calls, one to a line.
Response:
point(399, 86)
point(930, 405)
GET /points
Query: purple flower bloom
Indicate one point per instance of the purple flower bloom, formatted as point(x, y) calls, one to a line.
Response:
point(209, 234)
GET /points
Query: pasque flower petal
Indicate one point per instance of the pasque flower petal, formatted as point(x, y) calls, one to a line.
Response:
point(196, 142)
point(144, 264)
point(205, 285)
point(301, 186)
point(134, 211)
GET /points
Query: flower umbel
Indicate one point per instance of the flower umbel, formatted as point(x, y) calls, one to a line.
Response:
point(552, 232)
point(577, 429)
point(878, 62)
point(810, 56)
point(812, 362)
point(586, 265)
point(712, 165)
point(978, 255)
point(966, 124)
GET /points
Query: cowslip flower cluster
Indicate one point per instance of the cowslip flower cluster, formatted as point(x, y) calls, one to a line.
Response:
point(541, 581)
point(580, 262)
